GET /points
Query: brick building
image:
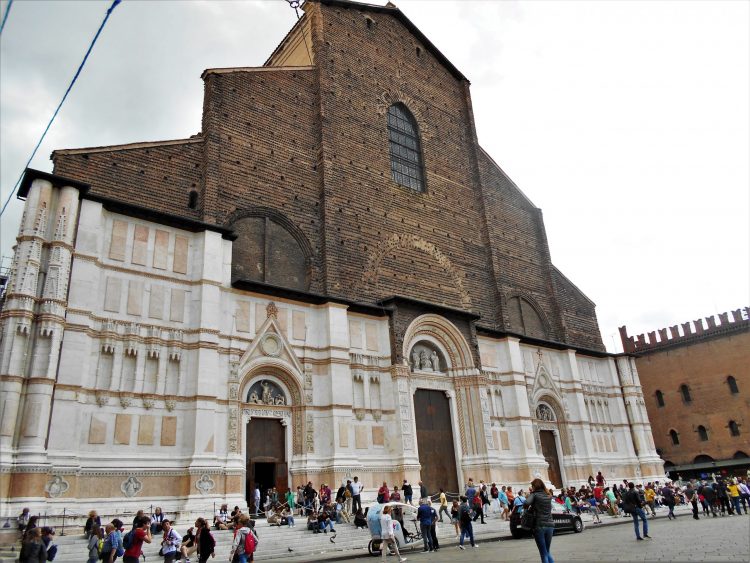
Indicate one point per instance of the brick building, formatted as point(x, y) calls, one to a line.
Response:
point(332, 278)
point(697, 390)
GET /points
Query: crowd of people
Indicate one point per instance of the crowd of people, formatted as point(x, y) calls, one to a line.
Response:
point(323, 510)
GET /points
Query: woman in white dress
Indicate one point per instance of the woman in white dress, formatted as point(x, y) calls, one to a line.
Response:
point(386, 533)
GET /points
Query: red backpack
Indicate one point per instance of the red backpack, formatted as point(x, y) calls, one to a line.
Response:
point(249, 542)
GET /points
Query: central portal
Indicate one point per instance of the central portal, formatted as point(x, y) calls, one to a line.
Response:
point(435, 441)
point(266, 460)
point(549, 451)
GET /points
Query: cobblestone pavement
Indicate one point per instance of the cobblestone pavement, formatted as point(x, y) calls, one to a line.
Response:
point(684, 539)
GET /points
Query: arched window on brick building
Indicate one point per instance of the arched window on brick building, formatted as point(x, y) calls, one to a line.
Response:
point(659, 398)
point(732, 382)
point(685, 393)
point(702, 433)
point(675, 437)
point(407, 168)
point(734, 428)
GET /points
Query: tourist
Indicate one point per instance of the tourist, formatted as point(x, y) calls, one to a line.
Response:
point(443, 505)
point(433, 526)
point(669, 501)
point(454, 516)
point(384, 493)
point(348, 498)
point(256, 500)
point(632, 504)
point(141, 533)
point(23, 520)
point(611, 502)
point(595, 509)
point(395, 495)
point(502, 497)
point(312, 521)
point(423, 490)
point(287, 516)
point(408, 493)
point(33, 549)
point(137, 518)
point(92, 525)
point(650, 496)
point(221, 518)
point(93, 545)
point(170, 541)
point(157, 518)
point(734, 496)
point(692, 496)
point(325, 518)
point(600, 480)
point(30, 526)
point(359, 519)
point(744, 494)
point(424, 515)
point(464, 519)
point(357, 489)
point(238, 544)
point(478, 506)
point(541, 503)
point(387, 535)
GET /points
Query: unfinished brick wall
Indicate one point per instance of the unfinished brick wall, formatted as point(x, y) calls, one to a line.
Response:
point(310, 146)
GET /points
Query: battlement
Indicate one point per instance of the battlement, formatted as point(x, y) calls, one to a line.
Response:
point(691, 332)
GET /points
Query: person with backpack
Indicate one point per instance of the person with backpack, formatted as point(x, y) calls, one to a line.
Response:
point(133, 541)
point(464, 521)
point(245, 542)
point(170, 542)
point(95, 545)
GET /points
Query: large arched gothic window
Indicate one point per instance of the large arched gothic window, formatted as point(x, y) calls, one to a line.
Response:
point(525, 318)
point(407, 168)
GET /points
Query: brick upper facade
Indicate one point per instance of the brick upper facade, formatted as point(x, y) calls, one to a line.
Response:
point(304, 142)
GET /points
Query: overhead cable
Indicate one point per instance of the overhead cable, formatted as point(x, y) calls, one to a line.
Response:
point(5, 17)
point(70, 87)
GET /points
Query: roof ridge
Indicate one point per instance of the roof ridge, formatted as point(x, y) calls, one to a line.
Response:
point(129, 146)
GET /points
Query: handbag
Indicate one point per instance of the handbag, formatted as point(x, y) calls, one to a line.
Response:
point(528, 519)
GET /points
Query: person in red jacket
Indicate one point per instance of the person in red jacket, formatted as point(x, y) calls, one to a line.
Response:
point(141, 533)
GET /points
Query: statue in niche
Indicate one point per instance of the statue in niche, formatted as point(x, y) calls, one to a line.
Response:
point(415, 359)
point(543, 412)
point(254, 398)
point(267, 395)
point(435, 361)
point(424, 361)
point(280, 399)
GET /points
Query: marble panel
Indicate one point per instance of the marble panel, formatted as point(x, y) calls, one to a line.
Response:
point(97, 430)
point(119, 239)
point(168, 430)
point(371, 336)
point(343, 435)
point(179, 264)
point(242, 316)
point(177, 305)
point(135, 298)
point(112, 295)
point(360, 437)
point(140, 245)
point(31, 420)
point(123, 423)
point(145, 430)
point(260, 315)
point(378, 436)
point(298, 325)
point(355, 333)
point(156, 302)
point(161, 249)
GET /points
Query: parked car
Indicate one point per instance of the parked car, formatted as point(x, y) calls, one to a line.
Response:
point(564, 521)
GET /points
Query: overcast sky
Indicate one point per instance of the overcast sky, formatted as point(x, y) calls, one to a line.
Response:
point(627, 123)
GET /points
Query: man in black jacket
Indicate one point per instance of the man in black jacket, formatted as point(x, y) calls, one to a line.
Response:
point(633, 504)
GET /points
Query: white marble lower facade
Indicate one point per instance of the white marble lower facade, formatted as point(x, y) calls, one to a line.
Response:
point(135, 383)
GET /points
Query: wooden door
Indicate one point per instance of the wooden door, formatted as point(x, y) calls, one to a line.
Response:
point(549, 451)
point(266, 446)
point(435, 441)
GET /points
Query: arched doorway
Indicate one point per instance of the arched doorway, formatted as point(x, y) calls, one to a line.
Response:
point(266, 463)
point(548, 434)
point(435, 440)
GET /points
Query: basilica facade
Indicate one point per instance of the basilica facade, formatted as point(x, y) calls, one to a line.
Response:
point(331, 279)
